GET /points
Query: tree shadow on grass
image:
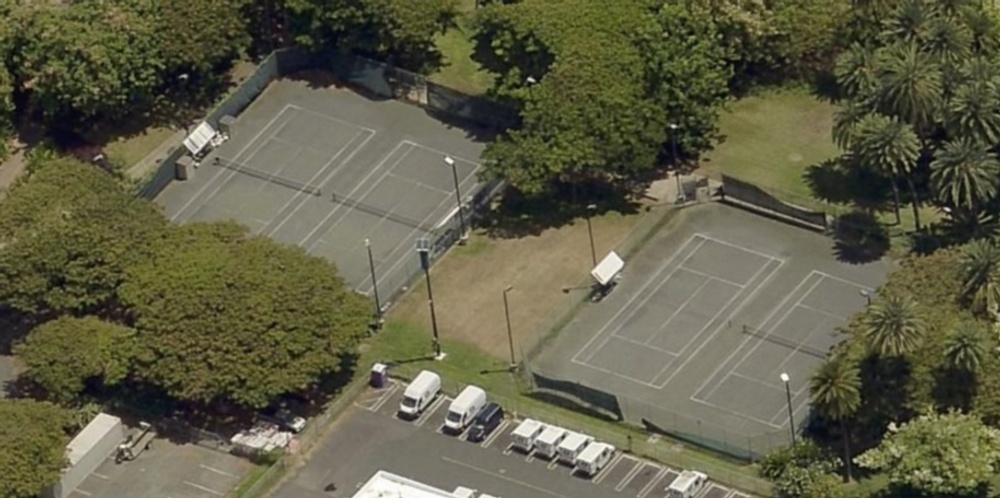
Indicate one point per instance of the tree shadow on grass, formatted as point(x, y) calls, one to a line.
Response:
point(517, 215)
point(837, 181)
point(859, 238)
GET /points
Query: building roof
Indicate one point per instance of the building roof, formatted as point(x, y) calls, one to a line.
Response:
point(386, 485)
point(92, 434)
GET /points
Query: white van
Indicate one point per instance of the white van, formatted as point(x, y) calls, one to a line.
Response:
point(525, 434)
point(419, 394)
point(571, 446)
point(593, 458)
point(686, 485)
point(548, 441)
point(464, 408)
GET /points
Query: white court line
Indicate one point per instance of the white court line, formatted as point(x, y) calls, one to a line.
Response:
point(607, 469)
point(82, 492)
point(644, 345)
point(844, 280)
point(796, 406)
point(756, 381)
point(762, 340)
point(338, 207)
point(100, 476)
point(656, 277)
point(630, 475)
point(503, 477)
point(797, 349)
point(217, 471)
point(676, 311)
point(422, 184)
point(253, 140)
point(619, 375)
point(656, 479)
point(822, 312)
point(737, 246)
point(331, 118)
point(723, 325)
point(734, 413)
point(203, 488)
point(336, 170)
point(713, 277)
point(767, 320)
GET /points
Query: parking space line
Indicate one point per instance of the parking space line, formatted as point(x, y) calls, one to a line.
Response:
point(509, 449)
point(614, 461)
point(217, 471)
point(639, 464)
point(430, 410)
point(652, 484)
point(82, 492)
point(530, 457)
point(385, 397)
point(101, 476)
point(203, 488)
point(503, 477)
point(496, 434)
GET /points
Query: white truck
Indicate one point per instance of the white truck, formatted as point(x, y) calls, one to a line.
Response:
point(571, 446)
point(687, 485)
point(548, 441)
point(593, 458)
point(464, 408)
point(525, 434)
point(419, 394)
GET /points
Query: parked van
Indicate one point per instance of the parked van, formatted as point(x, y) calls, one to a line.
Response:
point(571, 446)
point(525, 434)
point(419, 394)
point(686, 485)
point(487, 421)
point(593, 458)
point(548, 441)
point(464, 409)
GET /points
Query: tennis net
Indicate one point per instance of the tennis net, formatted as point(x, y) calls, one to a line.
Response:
point(381, 213)
point(267, 177)
point(788, 343)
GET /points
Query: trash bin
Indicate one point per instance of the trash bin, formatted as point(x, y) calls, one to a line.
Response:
point(379, 373)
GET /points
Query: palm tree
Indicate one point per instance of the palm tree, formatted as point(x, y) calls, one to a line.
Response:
point(910, 86)
point(965, 175)
point(979, 267)
point(948, 41)
point(965, 349)
point(835, 390)
point(845, 123)
point(888, 147)
point(893, 327)
point(909, 21)
point(973, 112)
point(855, 72)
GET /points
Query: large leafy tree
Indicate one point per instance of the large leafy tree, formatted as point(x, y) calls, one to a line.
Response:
point(223, 315)
point(835, 390)
point(801, 470)
point(88, 59)
point(893, 326)
point(34, 446)
point(69, 231)
point(186, 45)
point(950, 454)
point(63, 355)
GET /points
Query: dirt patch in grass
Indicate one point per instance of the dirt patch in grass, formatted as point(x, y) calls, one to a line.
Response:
point(469, 283)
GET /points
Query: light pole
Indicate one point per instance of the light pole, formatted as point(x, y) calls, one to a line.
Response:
point(371, 267)
point(458, 197)
point(867, 295)
point(510, 336)
point(788, 394)
point(590, 231)
point(681, 196)
point(182, 79)
point(424, 249)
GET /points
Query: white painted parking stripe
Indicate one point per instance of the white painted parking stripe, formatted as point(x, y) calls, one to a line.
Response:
point(430, 410)
point(217, 471)
point(82, 492)
point(503, 477)
point(631, 474)
point(604, 472)
point(496, 434)
point(649, 486)
point(101, 476)
point(385, 397)
point(203, 488)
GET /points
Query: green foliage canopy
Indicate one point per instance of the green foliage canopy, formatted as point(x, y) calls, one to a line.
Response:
point(34, 446)
point(221, 314)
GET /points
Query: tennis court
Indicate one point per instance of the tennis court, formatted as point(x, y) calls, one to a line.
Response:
point(707, 318)
point(328, 170)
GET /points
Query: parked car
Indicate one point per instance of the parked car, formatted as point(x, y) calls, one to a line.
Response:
point(464, 408)
point(419, 394)
point(487, 420)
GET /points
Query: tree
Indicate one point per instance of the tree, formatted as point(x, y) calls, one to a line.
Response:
point(69, 231)
point(965, 175)
point(979, 268)
point(221, 315)
point(34, 446)
point(184, 43)
point(88, 59)
point(801, 470)
point(856, 73)
point(835, 390)
point(63, 355)
point(890, 148)
point(950, 454)
point(966, 349)
point(893, 326)
point(909, 86)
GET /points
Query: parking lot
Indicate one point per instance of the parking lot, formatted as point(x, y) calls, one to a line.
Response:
point(372, 438)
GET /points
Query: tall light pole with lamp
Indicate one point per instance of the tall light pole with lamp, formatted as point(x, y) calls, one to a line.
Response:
point(458, 198)
point(681, 196)
point(590, 231)
point(788, 395)
point(424, 249)
point(371, 268)
point(510, 335)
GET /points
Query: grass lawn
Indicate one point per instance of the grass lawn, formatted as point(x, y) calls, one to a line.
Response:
point(130, 150)
point(249, 481)
point(458, 70)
